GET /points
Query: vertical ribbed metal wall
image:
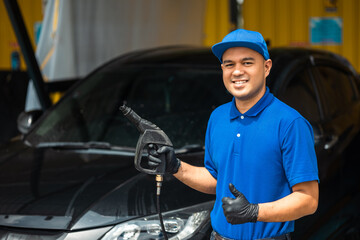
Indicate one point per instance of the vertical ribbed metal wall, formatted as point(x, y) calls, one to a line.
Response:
point(286, 23)
point(217, 21)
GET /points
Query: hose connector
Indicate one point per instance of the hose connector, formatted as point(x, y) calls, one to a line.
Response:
point(159, 180)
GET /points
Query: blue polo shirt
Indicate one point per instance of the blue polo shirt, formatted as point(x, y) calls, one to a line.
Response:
point(264, 153)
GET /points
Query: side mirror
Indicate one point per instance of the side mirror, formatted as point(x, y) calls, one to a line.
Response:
point(27, 119)
point(318, 133)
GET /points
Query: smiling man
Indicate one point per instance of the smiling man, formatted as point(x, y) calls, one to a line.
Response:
point(259, 153)
point(244, 73)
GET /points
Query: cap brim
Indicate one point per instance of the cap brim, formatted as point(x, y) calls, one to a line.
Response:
point(219, 48)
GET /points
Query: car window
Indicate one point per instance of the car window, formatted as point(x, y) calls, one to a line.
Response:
point(336, 89)
point(300, 94)
point(178, 99)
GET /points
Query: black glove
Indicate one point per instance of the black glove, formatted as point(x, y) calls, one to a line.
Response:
point(239, 210)
point(172, 163)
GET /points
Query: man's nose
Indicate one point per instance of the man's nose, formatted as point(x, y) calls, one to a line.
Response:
point(238, 71)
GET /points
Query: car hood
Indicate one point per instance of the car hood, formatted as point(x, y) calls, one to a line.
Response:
point(49, 188)
point(52, 188)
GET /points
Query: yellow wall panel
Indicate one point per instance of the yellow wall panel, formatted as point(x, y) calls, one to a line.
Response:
point(287, 23)
point(252, 14)
point(267, 19)
point(298, 21)
point(350, 47)
point(217, 21)
point(356, 35)
point(282, 24)
point(7, 38)
point(32, 13)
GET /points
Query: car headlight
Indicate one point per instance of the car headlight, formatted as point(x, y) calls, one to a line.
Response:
point(179, 224)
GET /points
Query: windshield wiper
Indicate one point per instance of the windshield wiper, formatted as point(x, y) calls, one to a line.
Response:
point(83, 145)
point(193, 148)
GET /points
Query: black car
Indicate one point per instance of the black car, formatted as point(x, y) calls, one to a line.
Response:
point(72, 175)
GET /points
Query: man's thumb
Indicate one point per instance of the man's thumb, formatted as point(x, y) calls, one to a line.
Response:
point(234, 191)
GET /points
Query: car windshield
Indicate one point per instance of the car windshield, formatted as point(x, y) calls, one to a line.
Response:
point(178, 99)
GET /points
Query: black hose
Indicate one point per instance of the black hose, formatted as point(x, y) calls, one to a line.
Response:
point(160, 217)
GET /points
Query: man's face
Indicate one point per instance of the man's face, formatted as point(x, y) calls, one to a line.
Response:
point(244, 75)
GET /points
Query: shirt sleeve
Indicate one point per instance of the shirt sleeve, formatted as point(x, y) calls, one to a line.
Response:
point(208, 161)
point(299, 157)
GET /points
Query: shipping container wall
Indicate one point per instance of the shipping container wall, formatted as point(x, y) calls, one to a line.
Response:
point(325, 24)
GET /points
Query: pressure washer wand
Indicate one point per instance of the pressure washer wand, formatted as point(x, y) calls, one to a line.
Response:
point(151, 137)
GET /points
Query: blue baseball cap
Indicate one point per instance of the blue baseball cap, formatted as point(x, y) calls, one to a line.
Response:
point(241, 38)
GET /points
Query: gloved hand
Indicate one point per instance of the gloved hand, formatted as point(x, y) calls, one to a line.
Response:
point(239, 210)
point(172, 163)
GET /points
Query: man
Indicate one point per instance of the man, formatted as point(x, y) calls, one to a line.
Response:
point(259, 153)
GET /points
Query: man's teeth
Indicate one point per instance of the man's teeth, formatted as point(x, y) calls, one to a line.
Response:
point(240, 82)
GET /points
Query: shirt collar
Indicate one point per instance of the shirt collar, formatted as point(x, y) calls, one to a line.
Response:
point(254, 110)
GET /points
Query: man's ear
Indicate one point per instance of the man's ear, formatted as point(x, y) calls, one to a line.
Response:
point(267, 65)
point(222, 66)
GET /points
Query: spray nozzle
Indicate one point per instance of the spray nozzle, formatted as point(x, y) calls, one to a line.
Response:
point(150, 134)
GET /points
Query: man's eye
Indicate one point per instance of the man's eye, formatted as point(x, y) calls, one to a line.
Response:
point(229, 65)
point(247, 63)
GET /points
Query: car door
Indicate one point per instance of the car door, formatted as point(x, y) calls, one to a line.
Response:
point(322, 91)
point(340, 123)
point(337, 149)
point(298, 89)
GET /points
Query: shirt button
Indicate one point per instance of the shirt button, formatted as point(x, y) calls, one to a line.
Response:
point(242, 117)
point(238, 135)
